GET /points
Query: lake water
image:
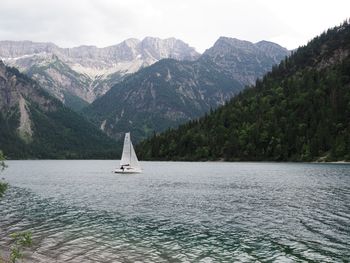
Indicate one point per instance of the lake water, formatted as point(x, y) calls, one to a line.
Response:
point(79, 211)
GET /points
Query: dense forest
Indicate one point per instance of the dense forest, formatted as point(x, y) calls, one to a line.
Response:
point(59, 134)
point(300, 111)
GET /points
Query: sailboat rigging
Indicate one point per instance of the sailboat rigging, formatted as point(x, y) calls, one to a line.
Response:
point(129, 162)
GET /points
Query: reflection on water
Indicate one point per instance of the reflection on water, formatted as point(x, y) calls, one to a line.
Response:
point(79, 211)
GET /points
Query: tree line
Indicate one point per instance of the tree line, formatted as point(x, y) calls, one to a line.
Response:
point(300, 111)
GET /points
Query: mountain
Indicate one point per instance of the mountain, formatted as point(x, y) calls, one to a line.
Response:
point(79, 75)
point(35, 125)
point(243, 60)
point(163, 95)
point(171, 92)
point(300, 111)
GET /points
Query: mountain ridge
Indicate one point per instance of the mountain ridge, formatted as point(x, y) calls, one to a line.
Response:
point(172, 92)
point(95, 69)
point(33, 124)
point(244, 56)
point(297, 112)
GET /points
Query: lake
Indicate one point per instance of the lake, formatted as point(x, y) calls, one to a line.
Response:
point(79, 211)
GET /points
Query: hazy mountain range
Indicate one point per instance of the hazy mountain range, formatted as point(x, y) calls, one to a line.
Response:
point(81, 74)
point(139, 86)
point(171, 92)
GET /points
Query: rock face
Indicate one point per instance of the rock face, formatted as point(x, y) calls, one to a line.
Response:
point(35, 125)
point(171, 92)
point(87, 72)
point(160, 96)
point(244, 60)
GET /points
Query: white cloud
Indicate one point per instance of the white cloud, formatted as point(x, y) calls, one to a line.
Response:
point(197, 22)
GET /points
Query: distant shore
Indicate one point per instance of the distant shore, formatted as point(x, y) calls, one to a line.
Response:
point(334, 162)
point(214, 161)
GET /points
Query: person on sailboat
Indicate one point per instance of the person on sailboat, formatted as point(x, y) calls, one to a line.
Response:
point(129, 162)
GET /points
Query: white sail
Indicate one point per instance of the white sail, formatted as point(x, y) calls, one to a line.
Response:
point(129, 160)
point(134, 162)
point(126, 155)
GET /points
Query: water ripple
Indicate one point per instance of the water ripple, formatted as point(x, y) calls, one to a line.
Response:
point(203, 212)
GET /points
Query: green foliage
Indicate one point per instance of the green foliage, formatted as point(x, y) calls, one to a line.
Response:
point(2, 161)
point(3, 185)
point(59, 134)
point(300, 111)
point(74, 102)
point(3, 188)
point(21, 240)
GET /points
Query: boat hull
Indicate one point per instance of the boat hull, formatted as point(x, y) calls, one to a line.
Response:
point(127, 171)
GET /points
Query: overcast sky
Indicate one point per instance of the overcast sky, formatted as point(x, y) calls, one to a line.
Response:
point(68, 23)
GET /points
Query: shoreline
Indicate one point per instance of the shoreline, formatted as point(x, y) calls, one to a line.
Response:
point(189, 161)
point(335, 162)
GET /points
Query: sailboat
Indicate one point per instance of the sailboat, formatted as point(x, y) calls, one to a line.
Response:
point(129, 162)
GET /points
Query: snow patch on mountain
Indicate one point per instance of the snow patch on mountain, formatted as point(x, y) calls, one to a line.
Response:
point(88, 71)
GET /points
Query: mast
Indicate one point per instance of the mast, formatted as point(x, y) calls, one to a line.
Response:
point(129, 156)
point(126, 155)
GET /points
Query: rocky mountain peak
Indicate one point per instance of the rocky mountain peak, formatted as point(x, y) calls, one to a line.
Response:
point(130, 42)
point(265, 43)
point(167, 48)
point(175, 91)
point(226, 45)
point(244, 60)
point(272, 49)
point(233, 45)
point(15, 49)
point(86, 72)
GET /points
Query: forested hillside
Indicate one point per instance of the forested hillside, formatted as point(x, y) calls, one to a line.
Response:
point(300, 111)
point(35, 125)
